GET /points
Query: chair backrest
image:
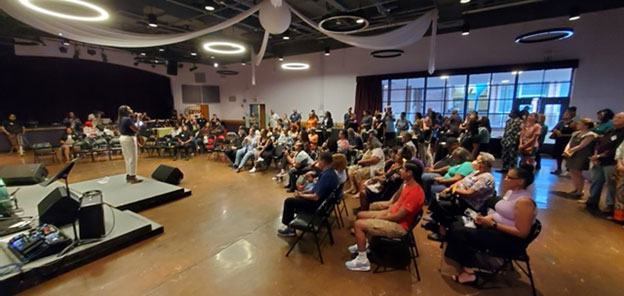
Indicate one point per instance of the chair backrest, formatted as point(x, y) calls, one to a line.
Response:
point(327, 206)
point(44, 145)
point(416, 219)
point(536, 229)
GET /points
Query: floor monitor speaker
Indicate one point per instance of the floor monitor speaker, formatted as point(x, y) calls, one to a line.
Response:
point(57, 208)
point(167, 174)
point(23, 174)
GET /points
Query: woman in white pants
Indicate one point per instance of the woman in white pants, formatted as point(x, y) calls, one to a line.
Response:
point(128, 142)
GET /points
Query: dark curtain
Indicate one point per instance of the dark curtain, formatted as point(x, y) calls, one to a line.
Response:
point(367, 95)
point(45, 89)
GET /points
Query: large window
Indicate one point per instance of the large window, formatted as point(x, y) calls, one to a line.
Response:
point(492, 94)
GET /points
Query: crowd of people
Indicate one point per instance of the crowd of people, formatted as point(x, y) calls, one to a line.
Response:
point(395, 166)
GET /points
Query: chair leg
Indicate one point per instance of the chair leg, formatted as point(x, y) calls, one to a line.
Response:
point(344, 206)
point(294, 244)
point(330, 234)
point(318, 246)
point(530, 275)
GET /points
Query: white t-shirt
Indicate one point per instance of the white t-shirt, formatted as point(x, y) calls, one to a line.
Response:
point(301, 156)
point(377, 152)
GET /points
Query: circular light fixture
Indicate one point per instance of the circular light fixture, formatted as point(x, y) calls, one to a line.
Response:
point(387, 53)
point(295, 66)
point(102, 13)
point(343, 24)
point(545, 35)
point(223, 47)
point(464, 1)
point(209, 7)
point(227, 72)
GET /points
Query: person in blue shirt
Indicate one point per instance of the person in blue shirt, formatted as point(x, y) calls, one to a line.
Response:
point(309, 202)
point(295, 118)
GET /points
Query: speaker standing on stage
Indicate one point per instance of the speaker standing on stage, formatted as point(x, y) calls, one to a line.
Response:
point(128, 142)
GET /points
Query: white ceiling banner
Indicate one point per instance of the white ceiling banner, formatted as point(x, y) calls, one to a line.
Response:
point(99, 34)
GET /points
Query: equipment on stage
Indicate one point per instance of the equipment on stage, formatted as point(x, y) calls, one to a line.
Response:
point(91, 215)
point(23, 174)
point(167, 174)
point(58, 207)
point(10, 225)
point(37, 243)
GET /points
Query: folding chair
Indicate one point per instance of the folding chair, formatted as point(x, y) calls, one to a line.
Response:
point(44, 149)
point(314, 223)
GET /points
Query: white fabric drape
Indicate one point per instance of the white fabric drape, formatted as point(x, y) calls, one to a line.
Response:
point(99, 34)
point(397, 38)
point(432, 45)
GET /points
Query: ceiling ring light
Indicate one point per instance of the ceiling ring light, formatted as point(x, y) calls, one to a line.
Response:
point(387, 53)
point(235, 48)
point(227, 72)
point(357, 19)
point(295, 66)
point(102, 13)
point(545, 35)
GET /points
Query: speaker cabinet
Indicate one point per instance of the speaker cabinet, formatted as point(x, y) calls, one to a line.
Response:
point(91, 216)
point(167, 174)
point(57, 208)
point(23, 174)
point(172, 67)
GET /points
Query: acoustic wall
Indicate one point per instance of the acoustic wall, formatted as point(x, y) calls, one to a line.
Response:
point(45, 89)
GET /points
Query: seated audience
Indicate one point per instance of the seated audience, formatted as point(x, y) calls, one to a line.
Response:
point(393, 221)
point(72, 121)
point(313, 139)
point(470, 192)
point(246, 151)
point(503, 231)
point(382, 188)
point(235, 144)
point(340, 166)
point(308, 182)
point(460, 168)
point(366, 167)
point(440, 167)
point(312, 120)
point(298, 162)
point(309, 202)
point(67, 144)
point(184, 143)
point(342, 143)
point(264, 151)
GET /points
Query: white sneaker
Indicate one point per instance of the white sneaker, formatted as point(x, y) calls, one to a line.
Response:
point(358, 265)
point(260, 159)
point(354, 250)
point(253, 170)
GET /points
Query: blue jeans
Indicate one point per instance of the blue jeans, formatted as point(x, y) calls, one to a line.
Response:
point(246, 157)
point(599, 176)
point(239, 155)
point(427, 179)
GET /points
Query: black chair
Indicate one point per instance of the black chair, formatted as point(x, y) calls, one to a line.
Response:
point(114, 147)
point(82, 148)
point(99, 146)
point(406, 241)
point(314, 223)
point(44, 149)
point(509, 259)
point(340, 206)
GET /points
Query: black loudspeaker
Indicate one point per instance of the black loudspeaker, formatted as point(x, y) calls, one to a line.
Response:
point(91, 216)
point(23, 174)
point(57, 208)
point(167, 174)
point(172, 67)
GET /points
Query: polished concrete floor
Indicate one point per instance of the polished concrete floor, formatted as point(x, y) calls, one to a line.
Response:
point(222, 241)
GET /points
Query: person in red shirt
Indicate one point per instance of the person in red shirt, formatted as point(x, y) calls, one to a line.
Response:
point(394, 220)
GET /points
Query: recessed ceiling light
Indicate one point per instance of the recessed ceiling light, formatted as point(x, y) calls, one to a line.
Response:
point(281, 58)
point(152, 21)
point(295, 66)
point(464, 1)
point(142, 54)
point(444, 77)
point(286, 37)
point(327, 53)
point(505, 81)
point(209, 7)
point(161, 49)
point(102, 14)
point(216, 65)
point(193, 53)
point(223, 47)
point(360, 21)
point(243, 64)
point(60, 34)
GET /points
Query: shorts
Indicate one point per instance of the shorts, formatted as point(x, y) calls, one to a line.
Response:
point(385, 228)
point(361, 173)
point(377, 206)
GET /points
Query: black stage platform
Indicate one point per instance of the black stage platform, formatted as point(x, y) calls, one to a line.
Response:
point(123, 226)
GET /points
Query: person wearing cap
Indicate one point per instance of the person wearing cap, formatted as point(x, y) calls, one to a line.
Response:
point(472, 191)
point(299, 161)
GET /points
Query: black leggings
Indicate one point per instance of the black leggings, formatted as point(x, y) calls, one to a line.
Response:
point(464, 242)
point(446, 211)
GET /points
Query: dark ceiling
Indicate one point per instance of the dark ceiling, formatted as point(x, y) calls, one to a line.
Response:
point(176, 16)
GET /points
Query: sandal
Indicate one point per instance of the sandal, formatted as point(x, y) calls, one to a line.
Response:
point(472, 282)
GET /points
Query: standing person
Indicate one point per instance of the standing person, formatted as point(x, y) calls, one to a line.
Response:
point(618, 213)
point(605, 122)
point(312, 120)
point(367, 121)
point(347, 117)
point(402, 124)
point(561, 134)
point(455, 119)
point(128, 142)
point(604, 166)
point(390, 134)
point(295, 118)
point(14, 130)
point(380, 127)
point(528, 139)
point(72, 121)
point(541, 119)
point(577, 152)
point(273, 119)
